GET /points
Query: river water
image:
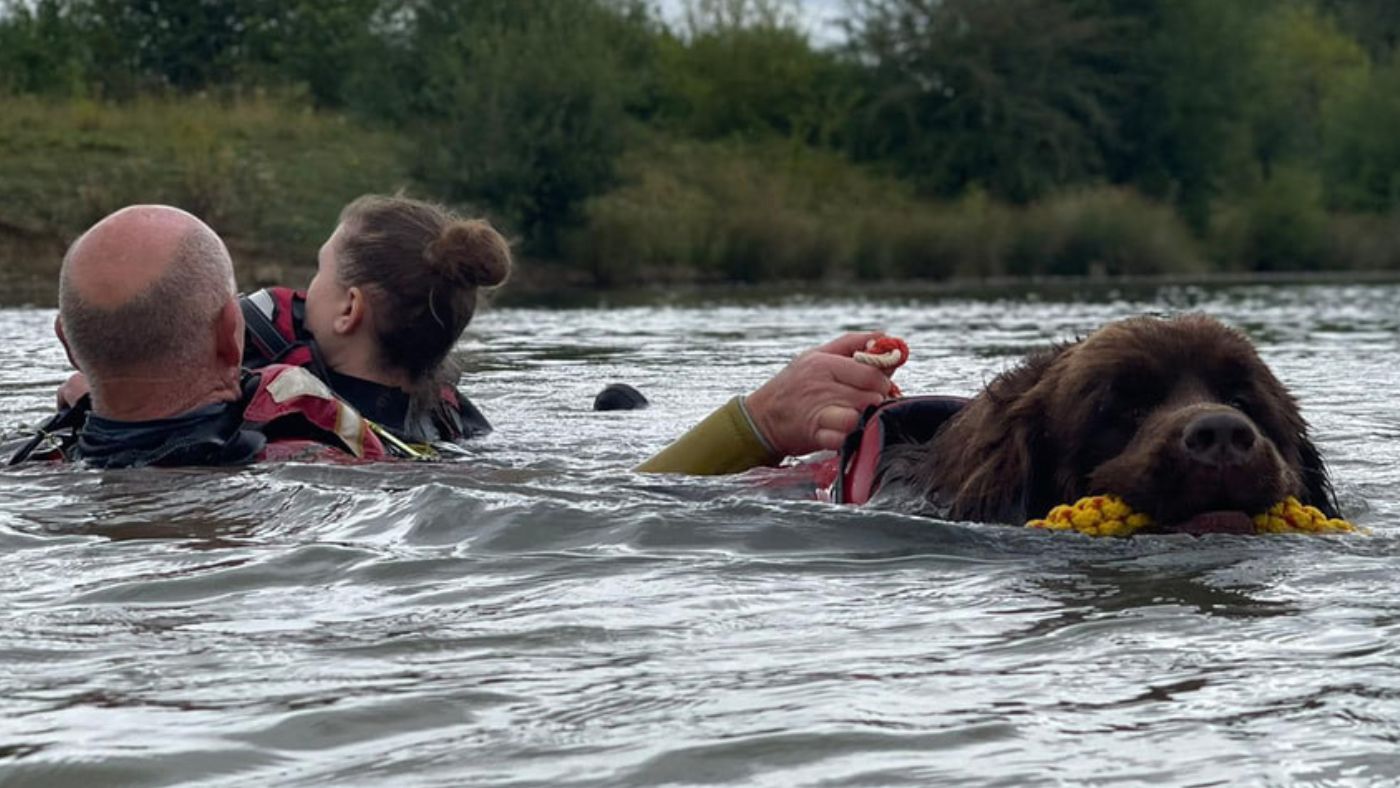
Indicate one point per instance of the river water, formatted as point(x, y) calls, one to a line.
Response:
point(538, 615)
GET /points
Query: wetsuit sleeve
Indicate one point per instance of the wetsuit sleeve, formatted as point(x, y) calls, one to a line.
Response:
point(725, 442)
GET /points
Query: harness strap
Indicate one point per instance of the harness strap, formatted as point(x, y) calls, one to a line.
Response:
point(911, 420)
point(257, 314)
point(260, 316)
point(401, 448)
point(60, 429)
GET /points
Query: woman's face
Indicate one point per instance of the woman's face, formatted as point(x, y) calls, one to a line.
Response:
point(326, 297)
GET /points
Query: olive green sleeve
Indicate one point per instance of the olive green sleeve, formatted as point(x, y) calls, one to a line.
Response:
point(725, 442)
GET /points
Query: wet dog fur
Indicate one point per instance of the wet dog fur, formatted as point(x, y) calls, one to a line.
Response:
point(1178, 415)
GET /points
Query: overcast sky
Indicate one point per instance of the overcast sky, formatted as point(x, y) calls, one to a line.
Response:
point(821, 16)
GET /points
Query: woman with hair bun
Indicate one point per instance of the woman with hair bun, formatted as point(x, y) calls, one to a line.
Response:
point(396, 285)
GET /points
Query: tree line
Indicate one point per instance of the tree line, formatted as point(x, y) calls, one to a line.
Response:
point(1256, 122)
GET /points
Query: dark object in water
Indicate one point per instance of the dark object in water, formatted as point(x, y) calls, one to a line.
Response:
point(619, 396)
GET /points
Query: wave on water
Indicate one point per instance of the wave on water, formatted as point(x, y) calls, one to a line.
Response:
point(540, 615)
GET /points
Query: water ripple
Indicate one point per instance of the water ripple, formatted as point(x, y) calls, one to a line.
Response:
point(539, 615)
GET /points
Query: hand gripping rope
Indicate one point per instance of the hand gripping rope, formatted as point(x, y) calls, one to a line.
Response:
point(887, 354)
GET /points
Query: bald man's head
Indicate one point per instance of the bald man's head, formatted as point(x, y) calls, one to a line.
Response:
point(143, 289)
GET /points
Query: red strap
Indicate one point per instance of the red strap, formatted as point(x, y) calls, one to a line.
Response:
point(858, 477)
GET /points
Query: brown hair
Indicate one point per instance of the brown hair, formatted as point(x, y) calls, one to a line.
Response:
point(420, 265)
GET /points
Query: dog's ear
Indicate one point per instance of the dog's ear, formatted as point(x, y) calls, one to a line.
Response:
point(990, 463)
point(1317, 483)
point(1004, 484)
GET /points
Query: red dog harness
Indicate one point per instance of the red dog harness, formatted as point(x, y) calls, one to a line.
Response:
point(854, 475)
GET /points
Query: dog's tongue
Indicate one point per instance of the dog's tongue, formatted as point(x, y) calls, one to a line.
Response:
point(1217, 523)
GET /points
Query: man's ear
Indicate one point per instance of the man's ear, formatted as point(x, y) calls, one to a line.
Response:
point(352, 313)
point(228, 339)
point(63, 339)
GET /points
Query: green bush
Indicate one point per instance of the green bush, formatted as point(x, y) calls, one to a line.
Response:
point(1278, 225)
point(753, 81)
point(743, 212)
point(758, 212)
point(935, 241)
point(41, 51)
point(1363, 146)
point(1098, 232)
point(1363, 243)
point(519, 105)
point(629, 151)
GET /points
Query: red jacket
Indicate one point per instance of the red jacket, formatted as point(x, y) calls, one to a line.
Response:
point(277, 334)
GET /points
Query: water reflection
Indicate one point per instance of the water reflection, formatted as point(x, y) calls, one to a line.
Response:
point(540, 615)
point(1113, 589)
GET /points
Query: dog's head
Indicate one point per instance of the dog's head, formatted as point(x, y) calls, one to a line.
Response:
point(1178, 416)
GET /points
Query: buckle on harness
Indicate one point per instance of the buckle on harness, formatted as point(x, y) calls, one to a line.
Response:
point(419, 452)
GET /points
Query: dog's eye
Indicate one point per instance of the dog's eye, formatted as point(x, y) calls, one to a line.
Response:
point(1239, 403)
point(1132, 397)
point(1119, 411)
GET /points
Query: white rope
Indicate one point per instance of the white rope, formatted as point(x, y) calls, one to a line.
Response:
point(887, 360)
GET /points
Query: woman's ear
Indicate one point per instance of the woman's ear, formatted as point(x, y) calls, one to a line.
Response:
point(352, 311)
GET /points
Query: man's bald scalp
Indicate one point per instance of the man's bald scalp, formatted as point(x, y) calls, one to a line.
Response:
point(165, 323)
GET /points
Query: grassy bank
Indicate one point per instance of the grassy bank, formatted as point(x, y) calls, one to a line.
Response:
point(722, 212)
point(268, 177)
point(271, 177)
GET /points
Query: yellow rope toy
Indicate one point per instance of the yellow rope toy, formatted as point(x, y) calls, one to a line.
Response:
point(1109, 515)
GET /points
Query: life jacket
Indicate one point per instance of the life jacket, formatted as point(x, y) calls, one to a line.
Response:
point(276, 333)
point(303, 419)
point(853, 477)
point(275, 320)
point(284, 413)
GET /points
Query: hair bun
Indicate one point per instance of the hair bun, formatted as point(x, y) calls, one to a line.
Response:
point(470, 252)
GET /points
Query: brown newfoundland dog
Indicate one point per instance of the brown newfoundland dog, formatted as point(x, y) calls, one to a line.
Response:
point(1178, 416)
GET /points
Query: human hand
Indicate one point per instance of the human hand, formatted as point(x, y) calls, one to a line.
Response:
point(72, 390)
point(816, 400)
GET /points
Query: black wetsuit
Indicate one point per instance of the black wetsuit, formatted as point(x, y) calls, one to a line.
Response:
point(294, 423)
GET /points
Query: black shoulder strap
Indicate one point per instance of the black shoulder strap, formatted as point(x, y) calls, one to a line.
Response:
point(257, 315)
point(61, 428)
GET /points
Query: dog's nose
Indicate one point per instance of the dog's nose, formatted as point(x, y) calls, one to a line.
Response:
point(1219, 439)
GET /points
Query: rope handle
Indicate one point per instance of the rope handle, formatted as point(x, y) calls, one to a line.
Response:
point(887, 354)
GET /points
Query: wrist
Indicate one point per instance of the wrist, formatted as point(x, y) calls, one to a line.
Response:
point(760, 409)
point(754, 425)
